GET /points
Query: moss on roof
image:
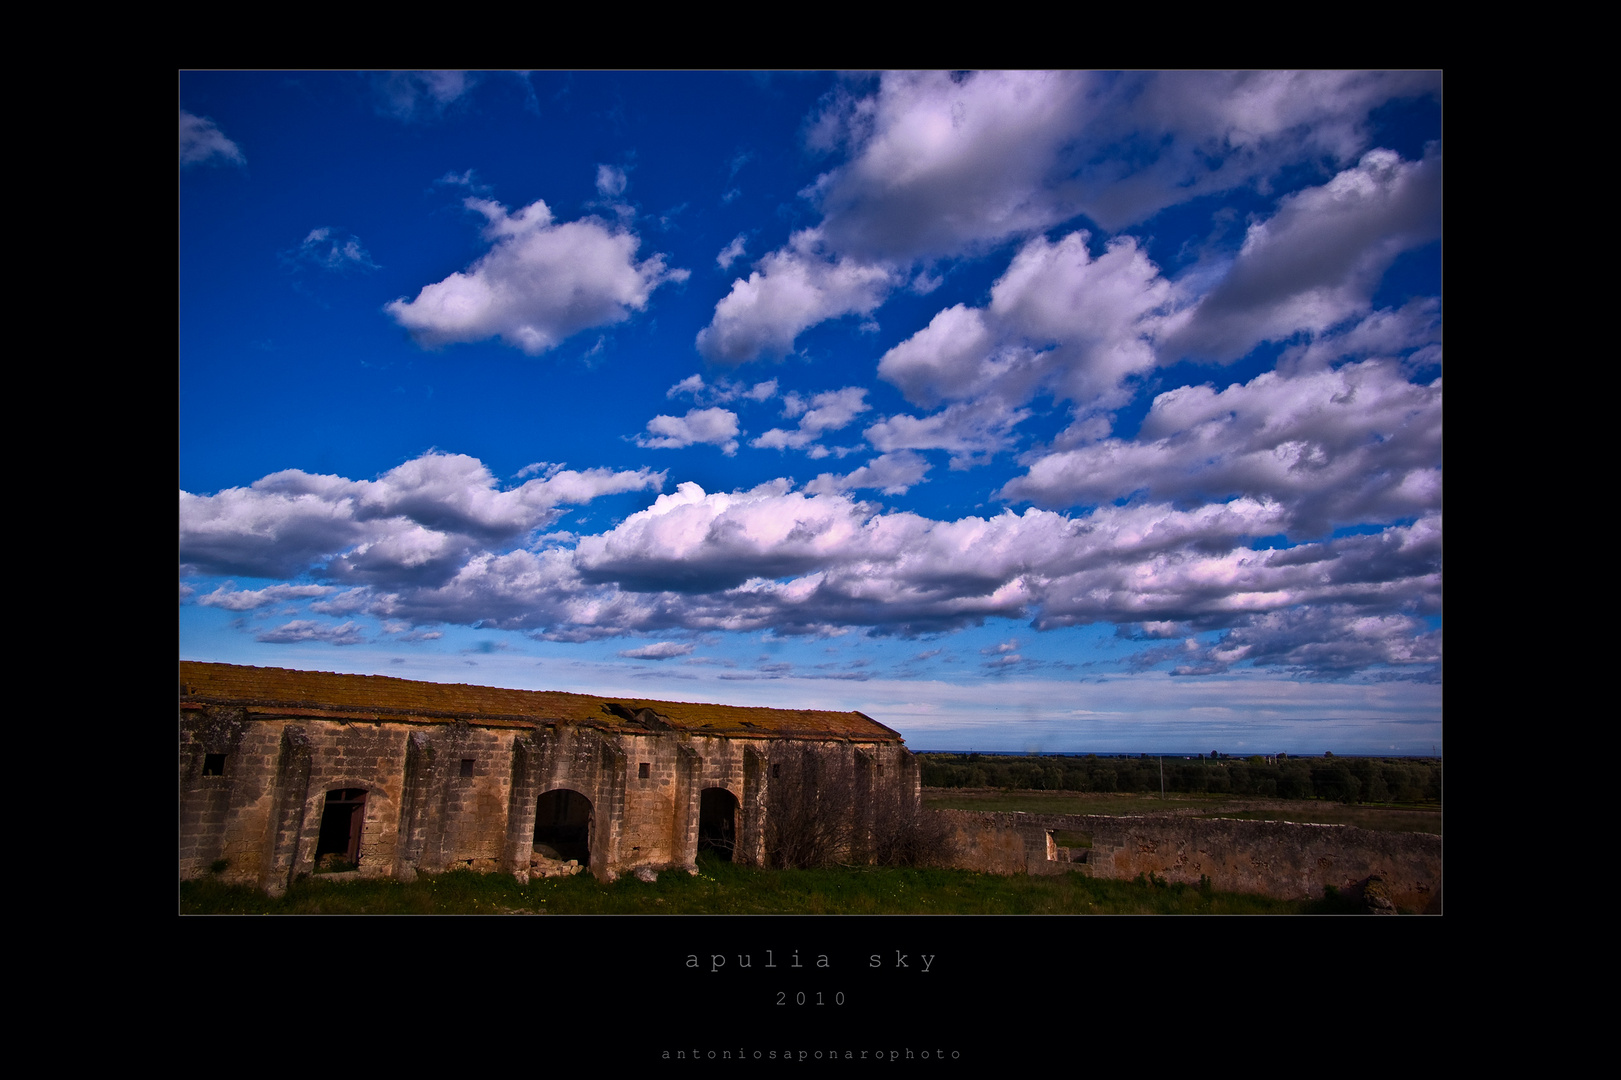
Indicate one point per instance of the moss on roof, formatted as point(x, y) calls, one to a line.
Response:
point(380, 697)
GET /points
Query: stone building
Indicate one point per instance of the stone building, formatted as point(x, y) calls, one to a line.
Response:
point(285, 773)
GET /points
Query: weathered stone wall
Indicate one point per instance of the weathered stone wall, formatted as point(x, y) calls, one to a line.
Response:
point(1273, 858)
point(990, 843)
point(444, 796)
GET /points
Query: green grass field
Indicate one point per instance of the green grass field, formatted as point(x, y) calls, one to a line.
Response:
point(723, 889)
point(1376, 816)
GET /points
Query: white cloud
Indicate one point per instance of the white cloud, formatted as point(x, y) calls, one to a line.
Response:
point(300, 630)
point(419, 95)
point(233, 599)
point(714, 426)
point(807, 562)
point(719, 393)
point(1413, 331)
point(1160, 139)
point(1058, 321)
point(1344, 446)
point(1318, 260)
point(941, 164)
point(327, 248)
point(970, 430)
point(468, 179)
point(730, 253)
point(425, 511)
point(944, 360)
point(663, 650)
point(892, 474)
point(794, 289)
point(540, 282)
point(772, 557)
point(202, 143)
point(1330, 640)
point(692, 384)
point(611, 181)
point(825, 412)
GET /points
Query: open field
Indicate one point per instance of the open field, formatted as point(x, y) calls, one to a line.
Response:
point(1378, 817)
point(723, 889)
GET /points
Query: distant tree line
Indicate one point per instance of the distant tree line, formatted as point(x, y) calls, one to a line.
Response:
point(1348, 780)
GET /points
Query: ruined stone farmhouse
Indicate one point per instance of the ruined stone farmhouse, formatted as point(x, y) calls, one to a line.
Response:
point(284, 773)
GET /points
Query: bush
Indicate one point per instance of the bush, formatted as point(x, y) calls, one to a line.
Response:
point(817, 816)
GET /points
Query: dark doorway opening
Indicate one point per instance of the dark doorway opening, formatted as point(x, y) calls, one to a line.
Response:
point(339, 845)
point(717, 822)
point(563, 824)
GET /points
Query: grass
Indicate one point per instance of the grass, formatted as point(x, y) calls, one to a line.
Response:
point(1377, 817)
point(723, 889)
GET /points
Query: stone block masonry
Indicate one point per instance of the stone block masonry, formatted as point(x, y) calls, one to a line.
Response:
point(1273, 858)
point(286, 773)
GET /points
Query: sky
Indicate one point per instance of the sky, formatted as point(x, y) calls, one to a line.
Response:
point(1022, 411)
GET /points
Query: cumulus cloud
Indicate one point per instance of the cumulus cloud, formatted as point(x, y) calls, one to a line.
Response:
point(1337, 446)
point(230, 598)
point(1314, 642)
point(1161, 138)
point(730, 253)
point(1081, 328)
point(202, 143)
point(1318, 260)
point(420, 514)
point(824, 412)
point(971, 430)
point(541, 282)
point(940, 164)
point(1412, 332)
point(719, 393)
point(817, 561)
point(717, 427)
point(941, 161)
point(792, 290)
point(300, 630)
point(893, 474)
point(1333, 640)
point(1398, 569)
point(1059, 321)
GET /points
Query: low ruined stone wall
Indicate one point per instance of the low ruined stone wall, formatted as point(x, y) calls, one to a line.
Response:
point(1274, 858)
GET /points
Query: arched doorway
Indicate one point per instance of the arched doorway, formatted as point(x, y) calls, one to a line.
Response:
point(338, 847)
point(717, 822)
point(563, 822)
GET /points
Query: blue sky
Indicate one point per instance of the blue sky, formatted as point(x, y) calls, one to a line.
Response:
point(1021, 411)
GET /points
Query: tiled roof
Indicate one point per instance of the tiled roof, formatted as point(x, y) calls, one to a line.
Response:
point(379, 697)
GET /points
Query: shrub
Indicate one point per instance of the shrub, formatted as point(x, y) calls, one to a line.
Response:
point(817, 816)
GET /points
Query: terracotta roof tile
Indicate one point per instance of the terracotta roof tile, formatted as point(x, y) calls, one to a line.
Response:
point(323, 693)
